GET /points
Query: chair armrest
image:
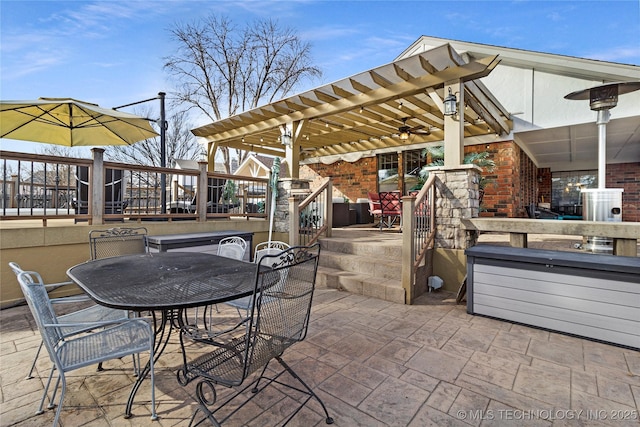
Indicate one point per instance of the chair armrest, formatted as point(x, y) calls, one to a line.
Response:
point(63, 300)
point(216, 338)
point(89, 326)
point(57, 285)
point(70, 299)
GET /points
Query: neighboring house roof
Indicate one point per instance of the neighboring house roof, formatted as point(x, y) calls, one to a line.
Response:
point(255, 166)
point(193, 164)
point(259, 166)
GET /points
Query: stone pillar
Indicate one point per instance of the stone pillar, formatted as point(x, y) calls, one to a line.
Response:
point(457, 198)
point(288, 187)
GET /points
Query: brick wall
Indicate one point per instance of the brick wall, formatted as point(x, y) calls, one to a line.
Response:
point(500, 191)
point(544, 185)
point(626, 176)
point(351, 180)
point(514, 183)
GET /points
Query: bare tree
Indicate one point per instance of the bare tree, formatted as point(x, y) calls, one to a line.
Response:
point(221, 69)
point(180, 144)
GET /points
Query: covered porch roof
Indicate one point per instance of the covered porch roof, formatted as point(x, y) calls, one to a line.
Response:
point(365, 112)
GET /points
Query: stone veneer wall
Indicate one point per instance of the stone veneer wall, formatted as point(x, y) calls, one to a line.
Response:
point(287, 187)
point(457, 199)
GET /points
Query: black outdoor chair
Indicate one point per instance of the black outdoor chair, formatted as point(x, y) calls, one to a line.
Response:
point(113, 191)
point(277, 319)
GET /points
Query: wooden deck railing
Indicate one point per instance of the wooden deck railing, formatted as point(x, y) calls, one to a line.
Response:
point(418, 235)
point(311, 218)
point(45, 187)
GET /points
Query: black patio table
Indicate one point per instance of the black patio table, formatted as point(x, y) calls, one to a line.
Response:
point(167, 282)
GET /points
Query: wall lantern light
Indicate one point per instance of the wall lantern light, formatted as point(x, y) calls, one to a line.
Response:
point(285, 137)
point(450, 104)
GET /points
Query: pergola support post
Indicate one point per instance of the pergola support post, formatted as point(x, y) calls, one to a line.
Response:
point(454, 128)
point(96, 177)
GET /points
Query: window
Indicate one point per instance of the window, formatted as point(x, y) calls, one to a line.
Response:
point(413, 163)
point(566, 197)
point(387, 172)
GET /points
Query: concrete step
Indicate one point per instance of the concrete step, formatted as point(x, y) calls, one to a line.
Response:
point(373, 265)
point(373, 246)
point(360, 284)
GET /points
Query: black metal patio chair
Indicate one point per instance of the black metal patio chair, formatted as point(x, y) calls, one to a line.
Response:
point(277, 319)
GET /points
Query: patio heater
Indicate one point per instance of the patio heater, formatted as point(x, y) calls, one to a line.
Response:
point(602, 204)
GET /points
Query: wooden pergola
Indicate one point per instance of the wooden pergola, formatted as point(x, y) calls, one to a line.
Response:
point(388, 106)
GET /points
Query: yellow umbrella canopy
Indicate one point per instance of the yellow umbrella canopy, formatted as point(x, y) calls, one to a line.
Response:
point(69, 122)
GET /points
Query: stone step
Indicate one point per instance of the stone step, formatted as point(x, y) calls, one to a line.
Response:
point(377, 266)
point(360, 284)
point(373, 247)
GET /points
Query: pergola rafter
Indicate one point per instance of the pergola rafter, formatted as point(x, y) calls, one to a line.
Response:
point(363, 112)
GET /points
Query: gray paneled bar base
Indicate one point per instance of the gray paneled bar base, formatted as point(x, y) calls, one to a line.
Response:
point(589, 295)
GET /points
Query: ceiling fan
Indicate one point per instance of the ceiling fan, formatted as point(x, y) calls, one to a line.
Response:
point(406, 130)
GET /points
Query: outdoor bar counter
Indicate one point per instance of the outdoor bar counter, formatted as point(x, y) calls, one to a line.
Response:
point(590, 295)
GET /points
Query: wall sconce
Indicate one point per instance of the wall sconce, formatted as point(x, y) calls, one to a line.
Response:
point(285, 137)
point(450, 104)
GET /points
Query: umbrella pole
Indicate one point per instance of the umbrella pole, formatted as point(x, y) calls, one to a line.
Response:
point(275, 170)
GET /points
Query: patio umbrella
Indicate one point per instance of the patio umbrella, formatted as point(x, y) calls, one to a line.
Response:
point(66, 121)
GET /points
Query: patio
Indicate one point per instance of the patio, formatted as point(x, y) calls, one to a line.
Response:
point(374, 363)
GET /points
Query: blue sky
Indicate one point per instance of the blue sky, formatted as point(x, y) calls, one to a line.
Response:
point(111, 52)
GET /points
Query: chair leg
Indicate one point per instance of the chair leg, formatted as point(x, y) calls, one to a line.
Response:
point(311, 393)
point(62, 391)
point(35, 359)
point(46, 391)
point(55, 390)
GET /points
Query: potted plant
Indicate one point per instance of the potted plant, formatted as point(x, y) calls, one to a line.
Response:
point(436, 152)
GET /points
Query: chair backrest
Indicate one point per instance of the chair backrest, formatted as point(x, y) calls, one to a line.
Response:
point(390, 203)
point(374, 203)
point(118, 241)
point(269, 248)
point(40, 306)
point(284, 293)
point(113, 190)
point(232, 247)
point(16, 268)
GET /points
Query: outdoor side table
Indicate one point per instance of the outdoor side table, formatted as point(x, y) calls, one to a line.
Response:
point(166, 282)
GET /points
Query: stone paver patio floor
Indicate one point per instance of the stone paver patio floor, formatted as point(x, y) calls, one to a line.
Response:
point(374, 363)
